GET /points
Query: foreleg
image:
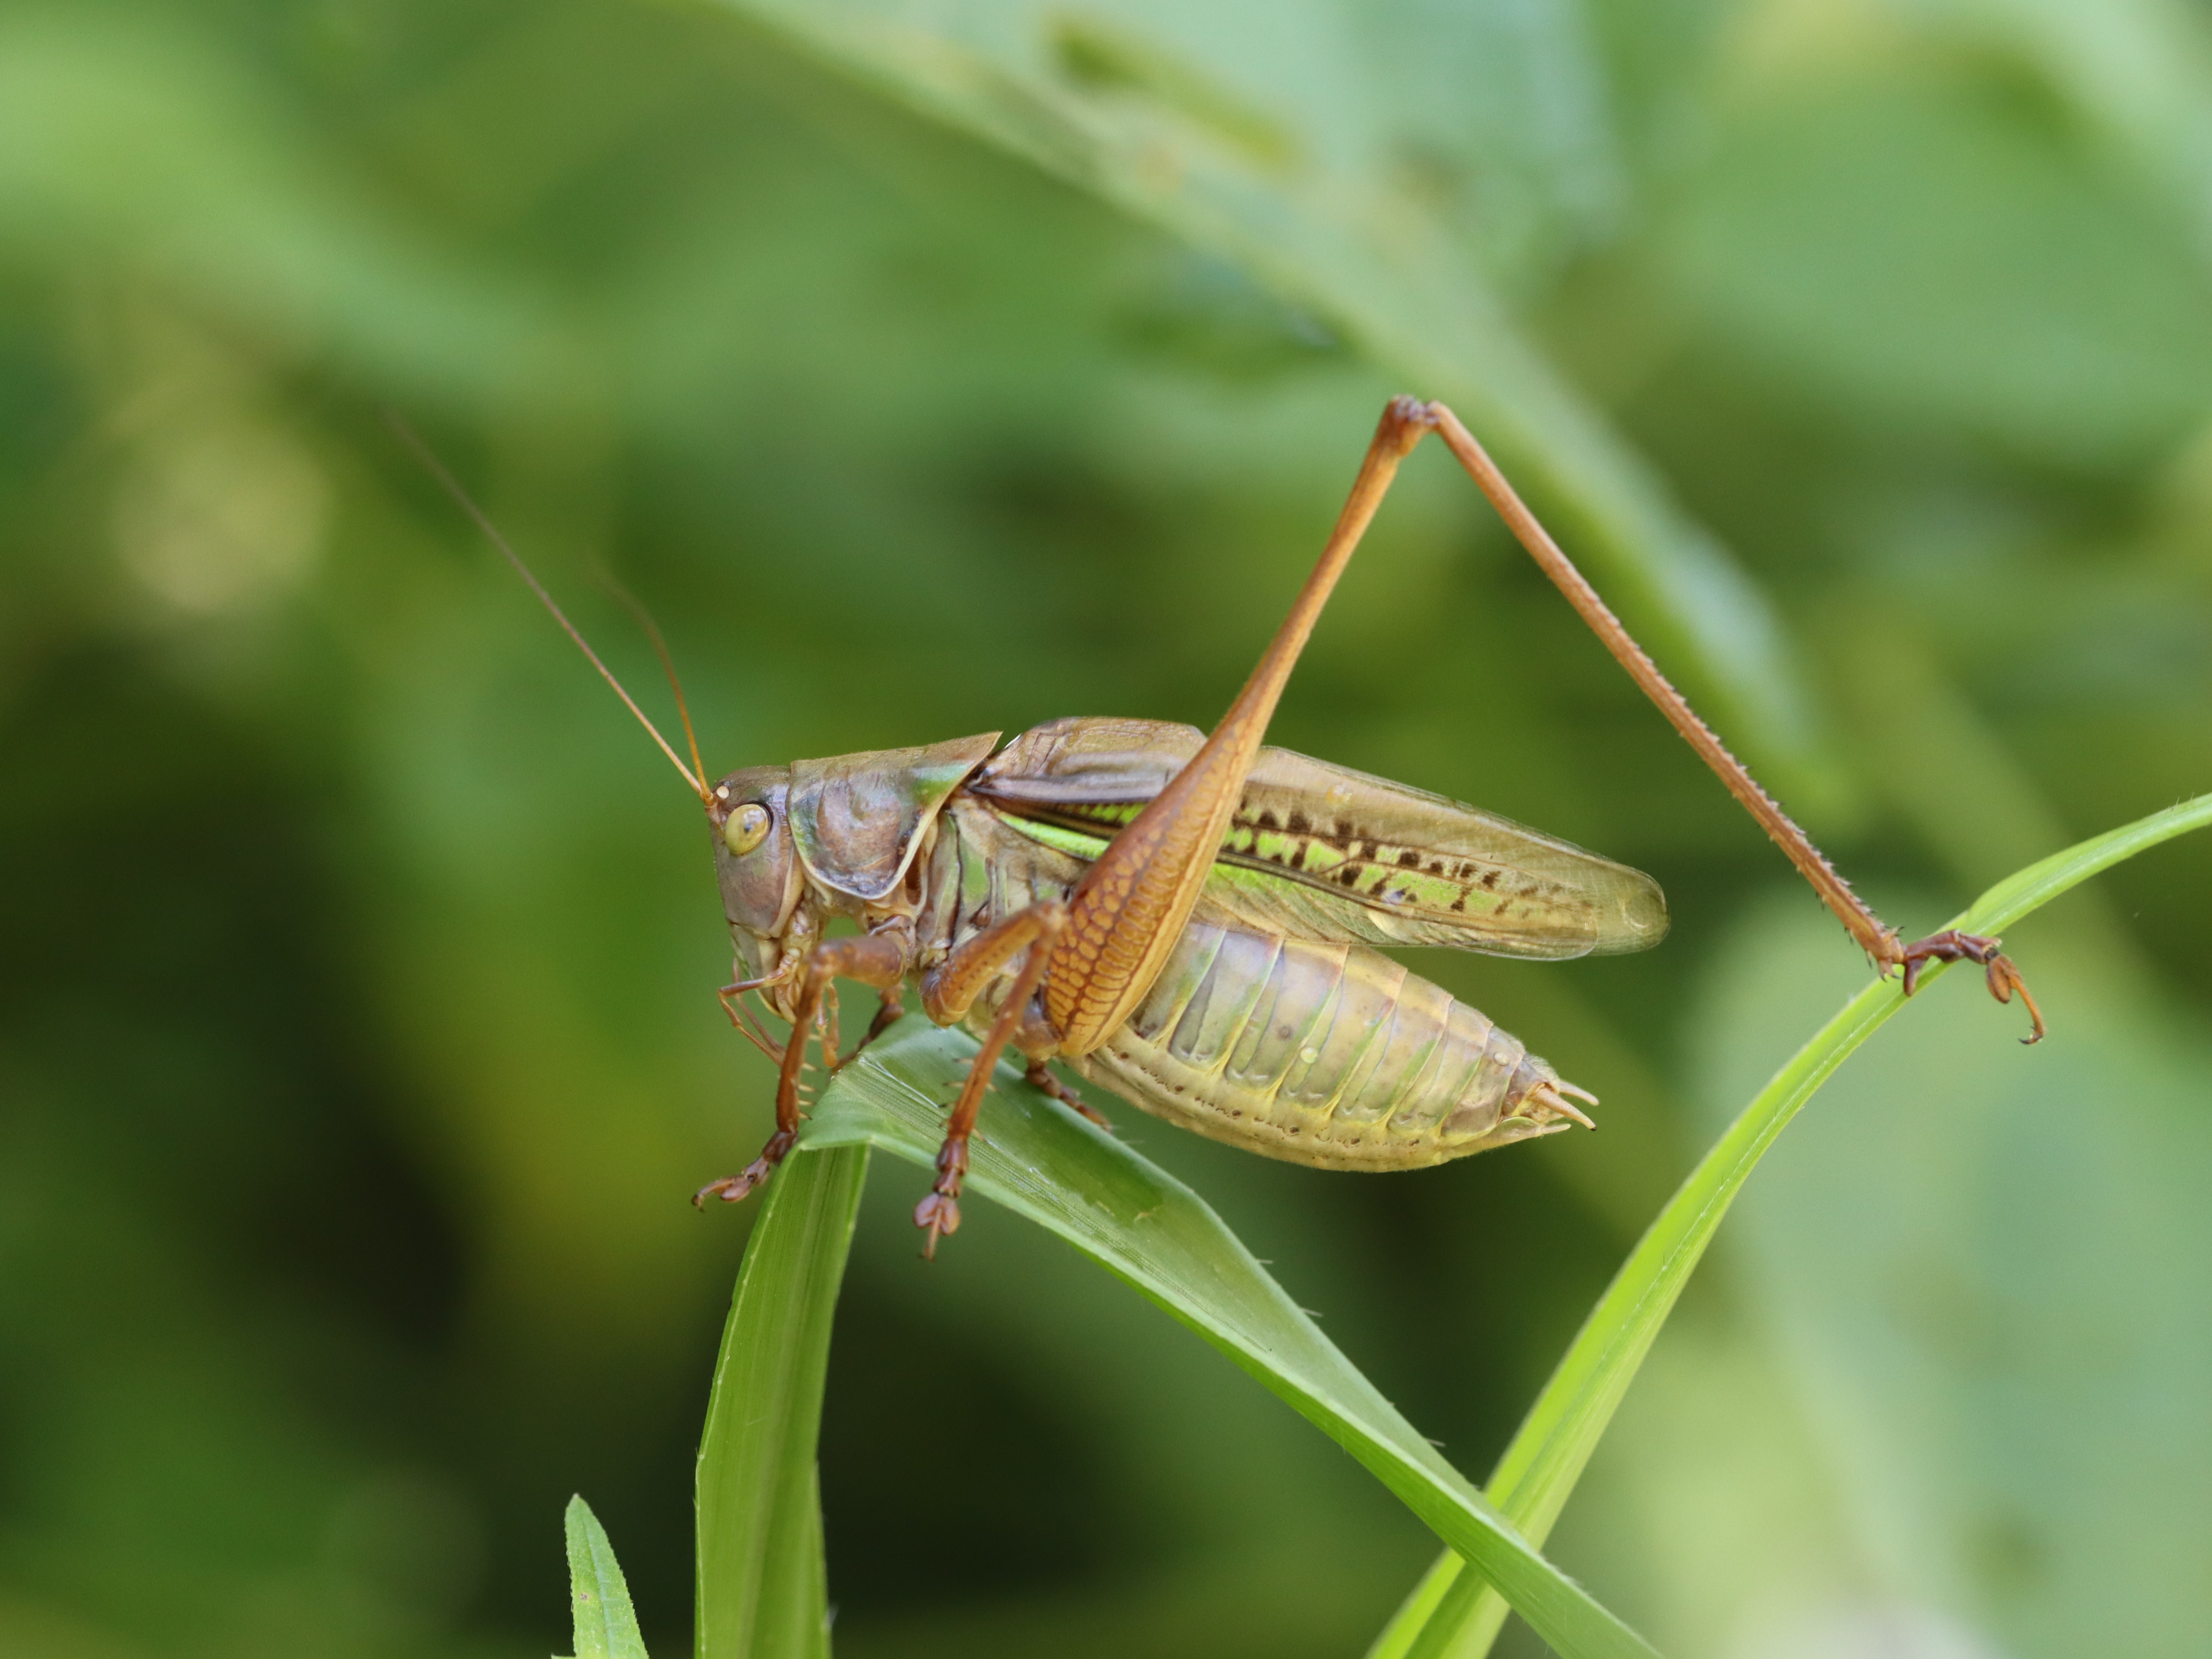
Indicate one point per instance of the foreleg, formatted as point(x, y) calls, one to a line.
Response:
point(733, 998)
point(948, 992)
point(877, 959)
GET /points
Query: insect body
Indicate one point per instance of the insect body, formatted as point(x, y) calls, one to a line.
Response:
point(1191, 920)
point(1273, 1024)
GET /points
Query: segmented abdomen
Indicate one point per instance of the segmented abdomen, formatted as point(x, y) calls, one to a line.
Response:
point(1329, 1055)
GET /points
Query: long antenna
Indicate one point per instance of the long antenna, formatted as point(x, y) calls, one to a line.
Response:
point(637, 607)
point(436, 468)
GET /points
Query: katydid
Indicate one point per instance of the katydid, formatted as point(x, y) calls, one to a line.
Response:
point(1192, 921)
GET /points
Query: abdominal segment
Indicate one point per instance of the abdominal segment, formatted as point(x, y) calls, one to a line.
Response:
point(1328, 1054)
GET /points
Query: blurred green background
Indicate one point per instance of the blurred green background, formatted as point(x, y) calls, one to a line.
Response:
point(937, 369)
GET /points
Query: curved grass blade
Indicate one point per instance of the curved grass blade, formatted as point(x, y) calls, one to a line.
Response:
point(1453, 1613)
point(1147, 1228)
point(1165, 126)
point(598, 1596)
point(762, 1590)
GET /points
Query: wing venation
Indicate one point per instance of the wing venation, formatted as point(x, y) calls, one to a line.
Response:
point(1322, 852)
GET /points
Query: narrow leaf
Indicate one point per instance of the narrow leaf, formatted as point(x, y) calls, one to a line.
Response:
point(761, 1585)
point(1142, 1225)
point(605, 1625)
point(1452, 1613)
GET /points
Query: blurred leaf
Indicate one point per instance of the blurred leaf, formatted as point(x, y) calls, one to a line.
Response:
point(151, 147)
point(606, 1627)
point(430, 1071)
point(1299, 141)
point(2012, 1309)
point(1451, 1612)
point(1984, 1273)
point(2138, 70)
point(1147, 1228)
point(1938, 251)
point(761, 1585)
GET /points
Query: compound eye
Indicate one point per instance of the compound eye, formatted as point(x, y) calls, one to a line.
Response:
point(745, 829)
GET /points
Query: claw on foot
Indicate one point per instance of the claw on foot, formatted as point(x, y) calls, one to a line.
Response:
point(1952, 945)
point(939, 1213)
point(731, 1188)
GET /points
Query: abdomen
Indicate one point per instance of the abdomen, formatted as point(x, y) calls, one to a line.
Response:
point(1328, 1054)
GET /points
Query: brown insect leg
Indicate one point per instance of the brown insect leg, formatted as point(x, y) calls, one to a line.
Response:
point(830, 1042)
point(733, 998)
point(1875, 937)
point(1039, 1076)
point(1031, 931)
point(950, 989)
point(889, 1011)
point(1952, 945)
point(877, 959)
point(734, 1004)
point(1130, 907)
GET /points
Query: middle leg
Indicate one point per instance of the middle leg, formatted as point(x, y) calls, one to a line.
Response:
point(948, 993)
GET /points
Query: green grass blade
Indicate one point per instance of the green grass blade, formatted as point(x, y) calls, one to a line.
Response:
point(1452, 1613)
point(605, 1624)
point(1140, 1223)
point(1144, 117)
point(761, 1588)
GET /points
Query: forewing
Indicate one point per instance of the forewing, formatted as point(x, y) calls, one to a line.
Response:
point(1323, 851)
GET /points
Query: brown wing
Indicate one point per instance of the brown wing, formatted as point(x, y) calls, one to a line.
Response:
point(1323, 851)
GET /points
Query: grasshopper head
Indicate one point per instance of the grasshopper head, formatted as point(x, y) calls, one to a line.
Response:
point(756, 861)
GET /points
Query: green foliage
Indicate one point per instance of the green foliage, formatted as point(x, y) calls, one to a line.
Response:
point(1151, 1231)
point(761, 1585)
point(1449, 1613)
point(354, 1037)
point(1147, 1228)
point(1344, 182)
point(606, 1624)
point(1966, 1243)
